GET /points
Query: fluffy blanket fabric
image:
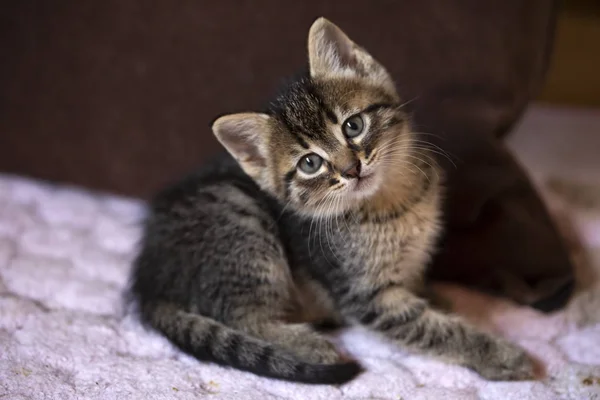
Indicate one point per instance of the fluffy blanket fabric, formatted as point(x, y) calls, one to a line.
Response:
point(64, 333)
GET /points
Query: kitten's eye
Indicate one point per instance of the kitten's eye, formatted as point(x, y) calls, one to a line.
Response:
point(310, 164)
point(353, 126)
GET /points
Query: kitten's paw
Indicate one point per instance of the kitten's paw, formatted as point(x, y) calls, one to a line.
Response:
point(320, 351)
point(498, 360)
point(304, 342)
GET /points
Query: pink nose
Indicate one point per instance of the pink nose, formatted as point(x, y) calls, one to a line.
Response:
point(352, 171)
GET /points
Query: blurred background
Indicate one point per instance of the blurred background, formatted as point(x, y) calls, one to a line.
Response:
point(573, 79)
point(118, 95)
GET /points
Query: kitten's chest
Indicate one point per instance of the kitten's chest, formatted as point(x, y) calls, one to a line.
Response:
point(394, 248)
point(397, 247)
point(395, 240)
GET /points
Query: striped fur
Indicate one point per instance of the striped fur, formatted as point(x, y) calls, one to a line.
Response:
point(209, 340)
point(239, 261)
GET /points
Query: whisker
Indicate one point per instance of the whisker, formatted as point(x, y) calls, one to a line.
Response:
point(408, 102)
point(315, 220)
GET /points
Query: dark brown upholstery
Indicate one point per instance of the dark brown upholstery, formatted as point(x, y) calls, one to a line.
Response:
point(119, 95)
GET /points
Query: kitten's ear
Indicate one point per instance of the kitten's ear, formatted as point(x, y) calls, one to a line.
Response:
point(331, 54)
point(244, 135)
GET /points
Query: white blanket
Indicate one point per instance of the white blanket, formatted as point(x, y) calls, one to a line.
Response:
point(64, 333)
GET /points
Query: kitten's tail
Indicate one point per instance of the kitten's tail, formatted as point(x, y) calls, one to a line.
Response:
point(209, 340)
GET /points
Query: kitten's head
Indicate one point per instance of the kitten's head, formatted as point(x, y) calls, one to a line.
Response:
point(332, 139)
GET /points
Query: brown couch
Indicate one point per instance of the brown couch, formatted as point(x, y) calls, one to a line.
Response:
point(118, 95)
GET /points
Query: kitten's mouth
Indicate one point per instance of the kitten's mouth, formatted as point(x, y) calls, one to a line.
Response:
point(363, 182)
point(365, 186)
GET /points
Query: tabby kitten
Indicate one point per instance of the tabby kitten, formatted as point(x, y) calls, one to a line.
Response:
point(325, 209)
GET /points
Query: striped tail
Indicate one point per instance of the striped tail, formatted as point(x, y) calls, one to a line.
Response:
point(209, 340)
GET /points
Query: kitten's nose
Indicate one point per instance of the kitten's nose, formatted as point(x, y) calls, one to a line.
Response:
point(352, 171)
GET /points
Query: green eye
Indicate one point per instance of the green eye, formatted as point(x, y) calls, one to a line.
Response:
point(310, 164)
point(353, 126)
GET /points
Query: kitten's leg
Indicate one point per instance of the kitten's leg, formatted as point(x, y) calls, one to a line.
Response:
point(259, 297)
point(410, 322)
point(272, 311)
point(315, 305)
point(259, 302)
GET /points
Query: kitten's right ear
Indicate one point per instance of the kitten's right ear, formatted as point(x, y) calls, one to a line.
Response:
point(244, 135)
point(332, 54)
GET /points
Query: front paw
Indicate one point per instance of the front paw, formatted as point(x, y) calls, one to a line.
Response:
point(498, 360)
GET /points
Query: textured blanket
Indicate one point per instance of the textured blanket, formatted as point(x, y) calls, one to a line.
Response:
point(65, 334)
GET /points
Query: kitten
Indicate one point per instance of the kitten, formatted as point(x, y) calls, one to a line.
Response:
point(325, 209)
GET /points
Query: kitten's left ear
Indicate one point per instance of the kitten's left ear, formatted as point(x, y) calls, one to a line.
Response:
point(332, 54)
point(244, 135)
